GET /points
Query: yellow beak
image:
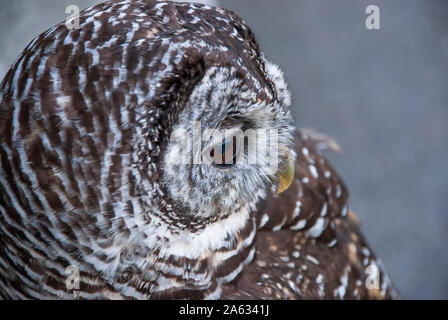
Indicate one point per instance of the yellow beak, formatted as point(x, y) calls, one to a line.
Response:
point(285, 173)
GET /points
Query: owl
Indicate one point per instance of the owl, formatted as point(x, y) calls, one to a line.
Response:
point(101, 198)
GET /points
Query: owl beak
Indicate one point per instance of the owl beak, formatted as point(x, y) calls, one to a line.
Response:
point(285, 173)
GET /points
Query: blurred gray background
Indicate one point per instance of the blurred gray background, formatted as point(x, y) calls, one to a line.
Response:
point(382, 93)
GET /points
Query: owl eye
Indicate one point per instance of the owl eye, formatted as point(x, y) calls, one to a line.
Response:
point(224, 155)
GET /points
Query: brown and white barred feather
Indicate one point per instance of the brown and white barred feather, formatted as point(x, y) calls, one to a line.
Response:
point(85, 118)
point(309, 244)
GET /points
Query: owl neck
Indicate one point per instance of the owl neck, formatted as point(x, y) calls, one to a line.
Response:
point(192, 264)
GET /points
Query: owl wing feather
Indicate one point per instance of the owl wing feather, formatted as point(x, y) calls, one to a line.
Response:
point(309, 244)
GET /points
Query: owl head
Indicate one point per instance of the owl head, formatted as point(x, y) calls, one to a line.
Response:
point(228, 142)
point(213, 129)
